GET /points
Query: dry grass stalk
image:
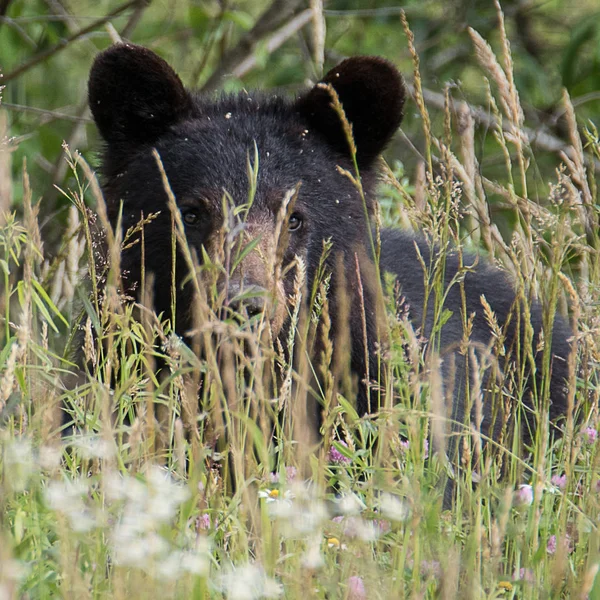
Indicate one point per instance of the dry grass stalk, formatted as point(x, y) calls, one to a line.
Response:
point(363, 317)
point(420, 102)
point(318, 35)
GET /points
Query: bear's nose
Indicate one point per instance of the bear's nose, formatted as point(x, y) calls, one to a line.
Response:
point(248, 298)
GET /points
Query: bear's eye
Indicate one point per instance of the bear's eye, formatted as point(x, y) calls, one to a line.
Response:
point(295, 222)
point(191, 217)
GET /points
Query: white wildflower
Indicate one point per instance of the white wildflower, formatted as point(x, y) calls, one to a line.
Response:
point(49, 457)
point(178, 563)
point(312, 557)
point(93, 446)
point(248, 582)
point(66, 493)
point(138, 551)
point(394, 508)
point(15, 570)
point(269, 495)
point(166, 495)
point(19, 463)
point(66, 497)
point(355, 527)
point(351, 504)
point(119, 487)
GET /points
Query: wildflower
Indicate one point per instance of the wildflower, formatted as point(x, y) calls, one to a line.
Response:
point(524, 495)
point(552, 544)
point(333, 542)
point(428, 568)
point(590, 435)
point(93, 446)
point(49, 457)
point(66, 497)
point(279, 504)
point(203, 521)
point(393, 508)
point(335, 456)
point(269, 495)
point(18, 458)
point(383, 526)
point(351, 504)
point(526, 575)
point(178, 563)
point(290, 475)
point(312, 557)
point(300, 512)
point(137, 550)
point(405, 446)
point(559, 481)
point(431, 568)
point(248, 582)
point(165, 494)
point(356, 588)
point(355, 527)
point(505, 586)
point(119, 487)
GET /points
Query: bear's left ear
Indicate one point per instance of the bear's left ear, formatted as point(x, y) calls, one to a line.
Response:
point(372, 94)
point(134, 95)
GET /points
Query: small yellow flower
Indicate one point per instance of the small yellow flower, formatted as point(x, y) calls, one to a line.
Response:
point(505, 585)
point(333, 542)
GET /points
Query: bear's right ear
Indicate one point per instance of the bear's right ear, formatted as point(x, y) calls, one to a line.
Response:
point(134, 95)
point(372, 95)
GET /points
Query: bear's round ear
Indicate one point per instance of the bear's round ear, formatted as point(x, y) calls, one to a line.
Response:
point(372, 94)
point(134, 95)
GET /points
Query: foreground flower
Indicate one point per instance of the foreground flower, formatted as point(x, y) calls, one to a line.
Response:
point(335, 456)
point(313, 558)
point(269, 495)
point(356, 588)
point(393, 508)
point(290, 475)
point(351, 504)
point(524, 495)
point(204, 521)
point(248, 582)
point(93, 446)
point(405, 447)
point(526, 575)
point(590, 435)
point(67, 497)
point(19, 463)
point(560, 481)
point(552, 544)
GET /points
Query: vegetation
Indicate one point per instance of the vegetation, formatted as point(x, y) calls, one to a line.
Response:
point(159, 495)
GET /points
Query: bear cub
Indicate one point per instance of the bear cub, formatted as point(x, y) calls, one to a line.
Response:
point(139, 104)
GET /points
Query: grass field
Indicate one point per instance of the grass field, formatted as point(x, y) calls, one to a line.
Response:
point(159, 495)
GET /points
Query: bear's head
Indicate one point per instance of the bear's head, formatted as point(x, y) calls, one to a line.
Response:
point(244, 155)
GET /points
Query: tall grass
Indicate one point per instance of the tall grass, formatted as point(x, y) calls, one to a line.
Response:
point(151, 493)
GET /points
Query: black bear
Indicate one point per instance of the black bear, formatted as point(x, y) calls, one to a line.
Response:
point(139, 104)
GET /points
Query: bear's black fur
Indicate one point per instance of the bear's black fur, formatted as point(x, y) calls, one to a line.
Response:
point(139, 103)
